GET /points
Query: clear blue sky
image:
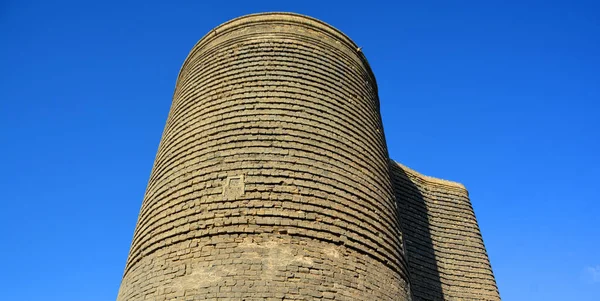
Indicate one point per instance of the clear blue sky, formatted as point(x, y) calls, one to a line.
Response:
point(502, 96)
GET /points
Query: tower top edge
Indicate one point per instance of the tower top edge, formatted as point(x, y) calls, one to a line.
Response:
point(288, 17)
point(267, 17)
point(429, 179)
point(282, 16)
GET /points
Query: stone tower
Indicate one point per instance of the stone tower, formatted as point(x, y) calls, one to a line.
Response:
point(272, 180)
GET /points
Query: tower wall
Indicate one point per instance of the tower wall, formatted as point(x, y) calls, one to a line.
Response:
point(446, 256)
point(272, 178)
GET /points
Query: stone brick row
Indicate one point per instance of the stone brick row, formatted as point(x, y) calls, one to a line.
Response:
point(350, 125)
point(338, 187)
point(263, 61)
point(315, 129)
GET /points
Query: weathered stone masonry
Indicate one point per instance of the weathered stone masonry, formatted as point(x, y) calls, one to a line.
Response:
point(446, 256)
point(272, 181)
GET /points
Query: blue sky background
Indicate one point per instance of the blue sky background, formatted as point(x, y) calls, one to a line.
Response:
point(502, 96)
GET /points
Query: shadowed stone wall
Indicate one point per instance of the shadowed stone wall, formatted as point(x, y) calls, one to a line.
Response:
point(271, 181)
point(446, 256)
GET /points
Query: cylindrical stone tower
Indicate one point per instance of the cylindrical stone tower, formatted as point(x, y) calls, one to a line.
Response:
point(271, 180)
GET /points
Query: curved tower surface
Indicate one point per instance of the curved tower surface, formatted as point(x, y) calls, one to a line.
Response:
point(272, 178)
